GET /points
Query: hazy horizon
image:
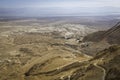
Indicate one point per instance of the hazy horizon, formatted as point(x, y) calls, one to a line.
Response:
point(59, 7)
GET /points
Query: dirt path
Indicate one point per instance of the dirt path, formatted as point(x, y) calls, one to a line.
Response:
point(104, 71)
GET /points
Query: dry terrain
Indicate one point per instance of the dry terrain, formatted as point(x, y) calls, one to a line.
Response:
point(34, 50)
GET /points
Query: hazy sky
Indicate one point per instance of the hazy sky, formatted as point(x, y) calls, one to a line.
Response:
point(58, 7)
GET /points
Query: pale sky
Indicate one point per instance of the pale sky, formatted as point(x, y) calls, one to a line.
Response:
point(59, 7)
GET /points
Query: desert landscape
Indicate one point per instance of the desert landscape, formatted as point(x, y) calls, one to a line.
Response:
point(59, 48)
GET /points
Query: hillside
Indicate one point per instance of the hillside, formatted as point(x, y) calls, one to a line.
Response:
point(109, 60)
point(112, 35)
point(105, 64)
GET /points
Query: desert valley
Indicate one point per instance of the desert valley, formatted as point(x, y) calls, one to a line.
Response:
point(77, 48)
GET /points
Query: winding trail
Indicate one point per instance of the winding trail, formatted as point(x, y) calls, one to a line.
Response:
point(104, 71)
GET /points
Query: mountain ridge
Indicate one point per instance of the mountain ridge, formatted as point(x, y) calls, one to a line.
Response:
point(111, 35)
